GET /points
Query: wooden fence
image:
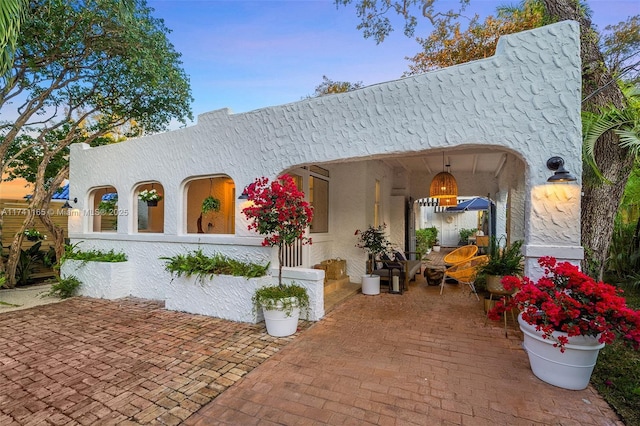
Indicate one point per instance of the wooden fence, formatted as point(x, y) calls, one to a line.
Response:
point(13, 214)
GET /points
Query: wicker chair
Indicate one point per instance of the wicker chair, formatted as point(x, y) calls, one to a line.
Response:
point(465, 272)
point(461, 254)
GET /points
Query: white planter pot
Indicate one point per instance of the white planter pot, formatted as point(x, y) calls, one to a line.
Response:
point(569, 370)
point(281, 323)
point(436, 249)
point(370, 284)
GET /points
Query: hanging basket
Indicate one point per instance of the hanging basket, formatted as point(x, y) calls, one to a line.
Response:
point(152, 203)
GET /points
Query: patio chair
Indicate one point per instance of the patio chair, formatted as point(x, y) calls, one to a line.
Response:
point(461, 254)
point(465, 272)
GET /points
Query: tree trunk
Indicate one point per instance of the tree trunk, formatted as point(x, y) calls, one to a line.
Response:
point(600, 201)
point(56, 232)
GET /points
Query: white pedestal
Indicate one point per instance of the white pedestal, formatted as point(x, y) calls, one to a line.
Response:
point(370, 284)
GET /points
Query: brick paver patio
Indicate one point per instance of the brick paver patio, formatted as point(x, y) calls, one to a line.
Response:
point(90, 361)
point(412, 359)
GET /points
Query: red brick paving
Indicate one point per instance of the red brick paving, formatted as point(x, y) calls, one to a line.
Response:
point(412, 359)
point(89, 361)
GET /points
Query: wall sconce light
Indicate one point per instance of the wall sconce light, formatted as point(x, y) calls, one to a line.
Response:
point(244, 195)
point(560, 173)
point(66, 204)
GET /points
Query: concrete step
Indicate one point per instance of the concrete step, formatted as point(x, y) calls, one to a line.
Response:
point(337, 291)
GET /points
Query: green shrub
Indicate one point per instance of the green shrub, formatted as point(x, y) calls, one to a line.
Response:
point(71, 252)
point(425, 239)
point(65, 287)
point(203, 266)
point(285, 297)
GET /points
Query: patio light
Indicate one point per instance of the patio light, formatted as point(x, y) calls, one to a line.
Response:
point(66, 204)
point(560, 173)
point(444, 185)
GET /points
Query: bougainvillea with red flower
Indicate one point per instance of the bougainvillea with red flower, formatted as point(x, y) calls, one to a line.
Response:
point(280, 212)
point(565, 299)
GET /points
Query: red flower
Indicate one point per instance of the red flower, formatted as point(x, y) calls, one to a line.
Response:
point(279, 212)
point(565, 299)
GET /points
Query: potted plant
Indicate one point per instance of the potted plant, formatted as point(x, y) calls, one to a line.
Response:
point(151, 197)
point(436, 245)
point(34, 235)
point(279, 211)
point(503, 261)
point(374, 241)
point(566, 318)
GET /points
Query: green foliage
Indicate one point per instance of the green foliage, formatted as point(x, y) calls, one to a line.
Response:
point(285, 297)
point(426, 238)
point(108, 207)
point(64, 287)
point(504, 260)
point(71, 252)
point(625, 123)
point(465, 234)
point(27, 261)
point(210, 204)
point(617, 373)
point(203, 266)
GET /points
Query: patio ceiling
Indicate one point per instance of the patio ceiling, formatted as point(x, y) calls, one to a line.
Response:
point(476, 160)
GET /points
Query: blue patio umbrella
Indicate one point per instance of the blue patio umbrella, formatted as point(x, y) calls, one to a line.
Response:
point(474, 204)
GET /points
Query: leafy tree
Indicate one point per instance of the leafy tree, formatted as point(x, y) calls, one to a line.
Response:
point(447, 45)
point(11, 14)
point(620, 46)
point(600, 201)
point(83, 69)
point(329, 87)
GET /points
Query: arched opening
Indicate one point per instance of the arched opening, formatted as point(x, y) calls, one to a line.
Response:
point(150, 207)
point(104, 213)
point(210, 205)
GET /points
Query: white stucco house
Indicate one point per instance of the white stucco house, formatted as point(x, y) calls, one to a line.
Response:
point(362, 157)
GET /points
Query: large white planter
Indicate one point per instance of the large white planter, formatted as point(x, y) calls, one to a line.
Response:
point(569, 370)
point(103, 280)
point(370, 284)
point(222, 296)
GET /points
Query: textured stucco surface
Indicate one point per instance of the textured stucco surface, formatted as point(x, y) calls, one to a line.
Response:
point(525, 100)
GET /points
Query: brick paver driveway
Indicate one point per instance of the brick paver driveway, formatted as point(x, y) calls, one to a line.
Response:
point(90, 361)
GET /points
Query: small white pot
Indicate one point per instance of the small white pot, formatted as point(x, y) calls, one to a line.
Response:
point(436, 249)
point(370, 284)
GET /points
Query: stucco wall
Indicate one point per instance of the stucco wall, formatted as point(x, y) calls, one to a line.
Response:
point(526, 99)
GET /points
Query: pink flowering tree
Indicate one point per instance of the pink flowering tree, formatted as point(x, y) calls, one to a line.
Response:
point(280, 212)
point(567, 300)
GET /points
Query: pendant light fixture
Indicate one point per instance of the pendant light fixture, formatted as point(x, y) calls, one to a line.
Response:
point(444, 185)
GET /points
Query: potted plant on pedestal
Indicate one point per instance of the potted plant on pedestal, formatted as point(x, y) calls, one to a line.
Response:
point(503, 261)
point(279, 212)
point(374, 241)
point(567, 317)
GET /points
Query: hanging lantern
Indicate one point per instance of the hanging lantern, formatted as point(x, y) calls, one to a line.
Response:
point(444, 185)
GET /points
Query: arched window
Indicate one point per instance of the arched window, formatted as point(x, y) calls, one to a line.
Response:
point(149, 198)
point(104, 213)
point(210, 205)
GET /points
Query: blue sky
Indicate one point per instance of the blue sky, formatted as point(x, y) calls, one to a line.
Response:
point(246, 55)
